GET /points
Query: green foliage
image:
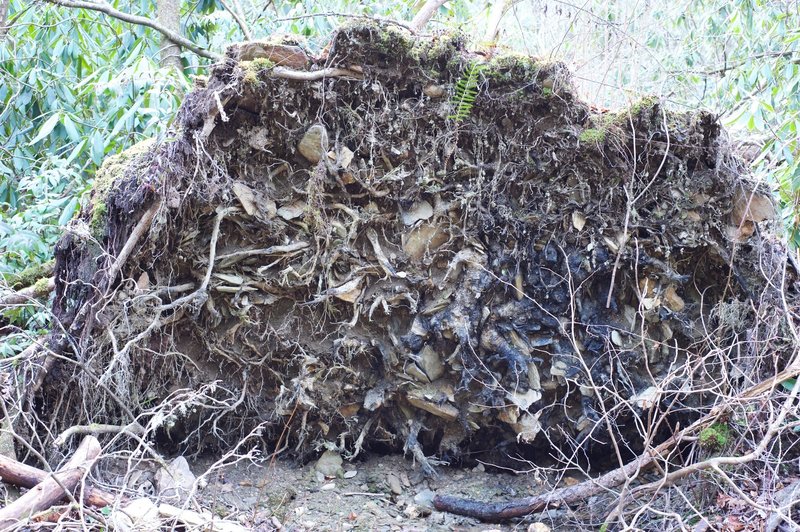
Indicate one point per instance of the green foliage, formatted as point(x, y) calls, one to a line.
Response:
point(74, 87)
point(30, 275)
point(466, 91)
point(747, 69)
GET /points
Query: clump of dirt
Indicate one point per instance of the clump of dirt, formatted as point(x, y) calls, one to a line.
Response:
point(402, 245)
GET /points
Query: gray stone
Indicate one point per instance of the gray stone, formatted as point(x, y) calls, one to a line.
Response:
point(329, 464)
point(424, 499)
point(139, 514)
point(176, 481)
point(7, 440)
point(394, 484)
point(314, 144)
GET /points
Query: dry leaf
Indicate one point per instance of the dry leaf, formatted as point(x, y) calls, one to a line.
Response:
point(246, 197)
point(292, 210)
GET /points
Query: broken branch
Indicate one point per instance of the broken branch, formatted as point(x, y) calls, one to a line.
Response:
point(52, 488)
point(26, 476)
point(503, 511)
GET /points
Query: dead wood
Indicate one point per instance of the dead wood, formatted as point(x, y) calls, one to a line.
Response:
point(503, 511)
point(26, 476)
point(52, 488)
point(25, 295)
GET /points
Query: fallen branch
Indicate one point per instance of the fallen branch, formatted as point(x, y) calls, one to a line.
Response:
point(26, 476)
point(785, 499)
point(53, 488)
point(141, 21)
point(39, 289)
point(502, 511)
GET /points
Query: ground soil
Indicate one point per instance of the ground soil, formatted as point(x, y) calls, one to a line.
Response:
point(283, 493)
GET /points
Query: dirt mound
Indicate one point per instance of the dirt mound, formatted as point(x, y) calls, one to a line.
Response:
point(404, 245)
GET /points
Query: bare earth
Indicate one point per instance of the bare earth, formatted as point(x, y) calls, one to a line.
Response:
point(283, 495)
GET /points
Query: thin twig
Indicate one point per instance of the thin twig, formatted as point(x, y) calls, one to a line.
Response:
point(633, 200)
point(237, 17)
point(363, 494)
point(496, 13)
point(502, 511)
point(382, 20)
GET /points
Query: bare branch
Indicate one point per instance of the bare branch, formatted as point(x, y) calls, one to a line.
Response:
point(425, 14)
point(344, 15)
point(498, 9)
point(27, 476)
point(502, 511)
point(49, 491)
point(141, 21)
point(235, 13)
point(98, 428)
point(297, 75)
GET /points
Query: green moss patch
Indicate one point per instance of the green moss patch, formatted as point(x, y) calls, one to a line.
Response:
point(115, 167)
point(253, 69)
point(30, 275)
point(594, 135)
point(715, 437)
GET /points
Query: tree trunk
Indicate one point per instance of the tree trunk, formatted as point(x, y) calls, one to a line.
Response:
point(169, 16)
point(3, 18)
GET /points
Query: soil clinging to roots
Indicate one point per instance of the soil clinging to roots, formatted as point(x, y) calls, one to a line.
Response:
point(402, 245)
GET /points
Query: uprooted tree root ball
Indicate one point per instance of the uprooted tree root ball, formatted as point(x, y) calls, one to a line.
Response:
point(405, 246)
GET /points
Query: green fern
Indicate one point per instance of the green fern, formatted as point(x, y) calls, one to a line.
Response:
point(466, 91)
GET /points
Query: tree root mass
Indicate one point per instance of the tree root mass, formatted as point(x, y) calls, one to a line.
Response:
point(336, 260)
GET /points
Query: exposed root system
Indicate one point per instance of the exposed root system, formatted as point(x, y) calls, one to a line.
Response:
point(334, 254)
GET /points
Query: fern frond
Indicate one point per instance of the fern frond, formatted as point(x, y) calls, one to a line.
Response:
point(466, 91)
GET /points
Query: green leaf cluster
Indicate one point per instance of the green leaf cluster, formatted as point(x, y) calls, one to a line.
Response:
point(466, 91)
point(74, 87)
